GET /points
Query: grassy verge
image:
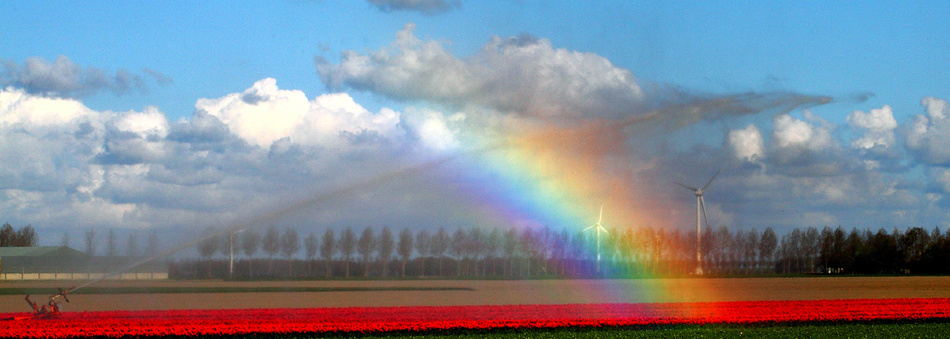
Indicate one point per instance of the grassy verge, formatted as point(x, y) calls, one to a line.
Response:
point(156, 290)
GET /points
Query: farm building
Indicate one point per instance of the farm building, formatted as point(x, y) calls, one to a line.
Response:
point(64, 263)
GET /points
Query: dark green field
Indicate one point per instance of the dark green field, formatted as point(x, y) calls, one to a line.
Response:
point(840, 330)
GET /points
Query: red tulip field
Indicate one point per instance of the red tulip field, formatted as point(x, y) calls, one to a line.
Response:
point(429, 318)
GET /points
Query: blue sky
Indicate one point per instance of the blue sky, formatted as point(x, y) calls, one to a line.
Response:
point(171, 55)
point(895, 50)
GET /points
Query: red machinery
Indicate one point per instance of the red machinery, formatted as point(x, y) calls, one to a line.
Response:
point(41, 311)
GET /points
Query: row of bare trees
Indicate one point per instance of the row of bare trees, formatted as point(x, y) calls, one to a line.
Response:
point(132, 246)
point(559, 253)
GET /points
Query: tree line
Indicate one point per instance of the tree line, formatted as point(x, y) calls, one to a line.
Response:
point(133, 247)
point(24, 237)
point(539, 252)
point(545, 252)
point(27, 237)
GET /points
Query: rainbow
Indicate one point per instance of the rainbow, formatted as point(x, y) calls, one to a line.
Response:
point(557, 181)
point(558, 178)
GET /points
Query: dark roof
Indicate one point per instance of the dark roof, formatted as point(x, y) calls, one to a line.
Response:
point(39, 251)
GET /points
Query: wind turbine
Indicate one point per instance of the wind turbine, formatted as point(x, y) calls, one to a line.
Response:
point(599, 229)
point(700, 206)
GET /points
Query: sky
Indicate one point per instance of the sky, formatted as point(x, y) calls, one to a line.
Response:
point(449, 113)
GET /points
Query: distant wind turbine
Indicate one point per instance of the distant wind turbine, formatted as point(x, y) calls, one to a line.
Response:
point(700, 206)
point(598, 228)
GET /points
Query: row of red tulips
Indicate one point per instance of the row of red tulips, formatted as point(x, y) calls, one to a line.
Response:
point(420, 318)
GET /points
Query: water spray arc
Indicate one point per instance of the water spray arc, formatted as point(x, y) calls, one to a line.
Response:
point(700, 207)
point(672, 116)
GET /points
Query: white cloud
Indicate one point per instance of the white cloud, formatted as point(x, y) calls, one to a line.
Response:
point(518, 74)
point(19, 108)
point(928, 136)
point(264, 114)
point(149, 122)
point(936, 108)
point(66, 165)
point(879, 125)
point(793, 133)
point(433, 129)
point(747, 144)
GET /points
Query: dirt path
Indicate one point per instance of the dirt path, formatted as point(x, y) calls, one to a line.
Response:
point(496, 292)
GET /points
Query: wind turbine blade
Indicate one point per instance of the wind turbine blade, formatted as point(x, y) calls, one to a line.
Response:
point(591, 226)
point(687, 187)
point(711, 179)
point(601, 218)
point(702, 203)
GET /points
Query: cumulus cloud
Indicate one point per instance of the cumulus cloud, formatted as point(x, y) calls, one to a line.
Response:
point(65, 78)
point(521, 74)
point(747, 143)
point(264, 114)
point(20, 109)
point(936, 108)
point(790, 132)
point(70, 166)
point(434, 129)
point(429, 7)
point(878, 124)
point(927, 136)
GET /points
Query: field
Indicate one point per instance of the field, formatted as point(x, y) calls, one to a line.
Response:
point(583, 300)
point(490, 292)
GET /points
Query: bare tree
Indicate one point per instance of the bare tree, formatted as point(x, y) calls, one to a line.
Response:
point(751, 245)
point(476, 246)
point(271, 245)
point(457, 249)
point(250, 243)
point(347, 245)
point(913, 243)
point(90, 242)
point(811, 244)
point(152, 248)
point(437, 246)
point(365, 247)
point(404, 248)
point(767, 246)
point(132, 245)
point(328, 249)
point(26, 237)
point(208, 246)
point(110, 244)
point(510, 247)
point(578, 249)
point(289, 245)
point(385, 248)
point(422, 247)
point(310, 245)
point(526, 248)
point(7, 235)
point(492, 245)
point(559, 252)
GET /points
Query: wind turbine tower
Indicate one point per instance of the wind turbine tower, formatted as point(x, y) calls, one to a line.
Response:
point(598, 228)
point(700, 207)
